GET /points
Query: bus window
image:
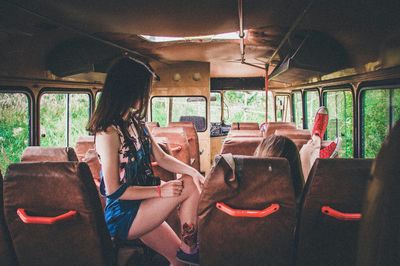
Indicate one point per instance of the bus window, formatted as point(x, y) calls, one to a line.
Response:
point(379, 110)
point(340, 108)
point(282, 108)
point(311, 99)
point(297, 107)
point(215, 107)
point(63, 118)
point(98, 95)
point(246, 106)
point(14, 127)
point(180, 108)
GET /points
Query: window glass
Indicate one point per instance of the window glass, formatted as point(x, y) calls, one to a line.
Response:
point(215, 107)
point(340, 109)
point(297, 109)
point(396, 105)
point(98, 95)
point(375, 120)
point(63, 118)
point(246, 106)
point(282, 108)
point(311, 107)
point(175, 109)
point(14, 127)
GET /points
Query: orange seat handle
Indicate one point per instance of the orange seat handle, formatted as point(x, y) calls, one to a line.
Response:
point(44, 220)
point(248, 213)
point(340, 215)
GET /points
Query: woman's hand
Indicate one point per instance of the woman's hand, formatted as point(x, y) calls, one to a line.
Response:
point(171, 188)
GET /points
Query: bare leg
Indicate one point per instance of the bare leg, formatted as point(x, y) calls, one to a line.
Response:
point(153, 212)
point(163, 240)
point(308, 154)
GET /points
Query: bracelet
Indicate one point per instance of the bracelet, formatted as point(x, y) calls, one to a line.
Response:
point(158, 191)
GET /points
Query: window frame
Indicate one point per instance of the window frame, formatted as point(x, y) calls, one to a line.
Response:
point(304, 94)
point(346, 87)
point(293, 108)
point(55, 90)
point(370, 86)
point(181, 96)
point(275, 104)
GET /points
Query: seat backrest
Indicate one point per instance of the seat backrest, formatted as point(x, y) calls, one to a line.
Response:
point(7, 254)
point(50, 189)
point(193, 140)
point(48, 154)
point(151, 125)
point(83, 144)
point(244, 133)
point(229, 235)
point(294, 133)
point(245, 126)
point(198, 121)
point(330, 212)
point(177, 141)
point(272, 126)
point(379, 242)
point(241, 146)
point(165, 175)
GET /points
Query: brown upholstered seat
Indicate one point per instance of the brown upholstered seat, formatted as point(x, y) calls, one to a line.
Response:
point(7, 254)
point(294, 133)
point(245, 126)
point(83, 144)
point(164, 174)
point(241, 146)
point(330, 208)
point(48, 154)
point(272, 126)
point(247, 183)
point(51, 189)
point(244, 133)
point(193, 140)
point(177, 141)
point(151, 125)
point(379, 233)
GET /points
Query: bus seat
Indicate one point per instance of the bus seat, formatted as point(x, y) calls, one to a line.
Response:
point(378, 242)
point(151, 125)
point(177, 141)
point(83, 144)
point(193, 140)
point(198, 121)
point(48, 154)
point(294, 133)
point(245, 126)
point(244, 133)
point(54, 215)
point(7, 254)
point(241, 146)
point(330, 212)
point(272, 126)
point(231, 231)
point(92, 160)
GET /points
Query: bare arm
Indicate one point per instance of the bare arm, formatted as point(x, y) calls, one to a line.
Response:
point(172, 164)
point(107, 146)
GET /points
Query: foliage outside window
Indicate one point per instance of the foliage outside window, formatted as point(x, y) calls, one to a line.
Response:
point(14, 127)
point(246, 106)
point(297, 106)
point(58, 109)
point(380, 109)
point(180, 108)
point(340, 109)
point(282, 108)
point(215, 107)
point(311, 107)
point(98, 95)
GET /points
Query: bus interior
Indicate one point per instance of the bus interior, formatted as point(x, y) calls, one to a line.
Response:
point(229, 73)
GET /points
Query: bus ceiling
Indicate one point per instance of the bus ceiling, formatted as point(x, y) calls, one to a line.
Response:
point(310, 38)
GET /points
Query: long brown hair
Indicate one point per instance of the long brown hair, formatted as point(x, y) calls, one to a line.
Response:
point(127, 82)
point(281, 146)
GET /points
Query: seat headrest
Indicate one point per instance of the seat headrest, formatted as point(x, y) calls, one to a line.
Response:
point(48, 154)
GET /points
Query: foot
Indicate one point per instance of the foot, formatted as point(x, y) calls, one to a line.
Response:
point(332, 150)
point(320, 122)
point(188, 258)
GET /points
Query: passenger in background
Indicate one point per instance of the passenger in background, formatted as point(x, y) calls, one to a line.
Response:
point(137, 202)
point(281, 146)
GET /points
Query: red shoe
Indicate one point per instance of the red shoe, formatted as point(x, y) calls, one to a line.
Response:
point(320, 122)
point(332, 150)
